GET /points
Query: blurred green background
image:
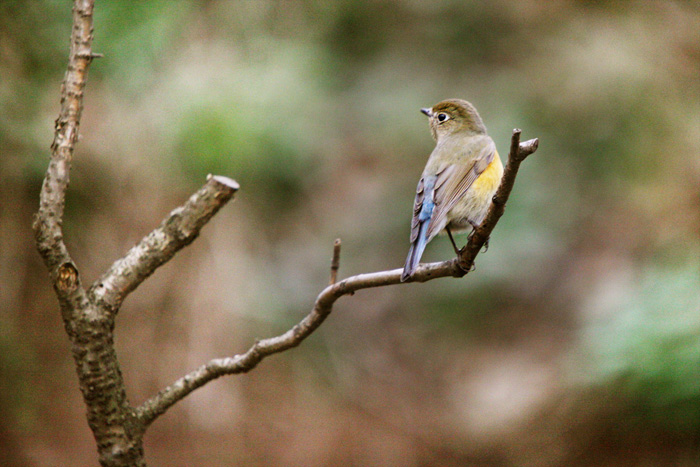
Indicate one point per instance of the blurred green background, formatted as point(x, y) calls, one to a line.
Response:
point(575, 342)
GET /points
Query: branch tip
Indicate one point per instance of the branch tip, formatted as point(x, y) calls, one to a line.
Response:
point(226, 181)
point(335, 261)
point(528, 147)
point(514, 144)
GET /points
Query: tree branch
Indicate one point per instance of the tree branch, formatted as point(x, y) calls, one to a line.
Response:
point(176, 231)
point(518, 152)
point(48, 229)
point(89, 316)
point(119, 439)
point(323, 306)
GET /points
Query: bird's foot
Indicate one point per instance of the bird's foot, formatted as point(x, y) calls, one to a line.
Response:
point(465, 266)
point(474, 227)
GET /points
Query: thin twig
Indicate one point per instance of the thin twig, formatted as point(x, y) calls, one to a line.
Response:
point(335, 261)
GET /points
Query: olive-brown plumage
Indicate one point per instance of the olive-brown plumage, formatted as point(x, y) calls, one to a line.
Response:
point(459, 180)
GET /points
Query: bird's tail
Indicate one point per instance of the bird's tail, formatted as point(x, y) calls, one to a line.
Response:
point(415, 252)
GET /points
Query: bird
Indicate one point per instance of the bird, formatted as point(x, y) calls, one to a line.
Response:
point(459, 181)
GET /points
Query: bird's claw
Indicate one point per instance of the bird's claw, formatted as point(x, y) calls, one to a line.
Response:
point(464, 267)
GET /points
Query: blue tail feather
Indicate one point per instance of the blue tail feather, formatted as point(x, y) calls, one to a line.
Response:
point(415, 252)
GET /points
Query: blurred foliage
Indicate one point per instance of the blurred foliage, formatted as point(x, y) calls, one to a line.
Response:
point(219, 139)
point(586, 305)
point(647, 344)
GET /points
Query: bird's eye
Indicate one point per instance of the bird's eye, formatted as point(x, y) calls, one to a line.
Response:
point(442, 117)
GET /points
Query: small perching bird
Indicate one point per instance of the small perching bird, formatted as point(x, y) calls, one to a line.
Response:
point(459, 180)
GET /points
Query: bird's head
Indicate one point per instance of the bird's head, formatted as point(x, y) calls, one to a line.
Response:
point(454, 116)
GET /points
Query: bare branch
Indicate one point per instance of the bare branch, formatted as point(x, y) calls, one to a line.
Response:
point(158, 404)
point(119, 439)
point(176, 231)
point(323, 306)
point(47, 225)
point(90, 322)
point(335, 261)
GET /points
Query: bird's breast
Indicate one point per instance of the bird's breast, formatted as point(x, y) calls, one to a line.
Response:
point(487, 183)
point(475, 204)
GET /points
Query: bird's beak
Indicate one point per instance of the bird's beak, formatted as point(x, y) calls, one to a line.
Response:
point(427, 111)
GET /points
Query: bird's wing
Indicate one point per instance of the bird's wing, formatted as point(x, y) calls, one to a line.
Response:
point(452, 184)
point(422, 213)
point(422, 207)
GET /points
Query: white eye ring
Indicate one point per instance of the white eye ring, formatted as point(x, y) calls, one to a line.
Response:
point(442, 117)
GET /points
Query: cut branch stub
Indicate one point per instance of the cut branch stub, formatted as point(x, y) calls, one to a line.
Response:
point(176, 231)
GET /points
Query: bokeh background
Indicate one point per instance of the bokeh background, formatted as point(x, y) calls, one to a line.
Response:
point(575, 342)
